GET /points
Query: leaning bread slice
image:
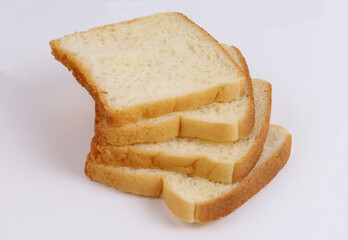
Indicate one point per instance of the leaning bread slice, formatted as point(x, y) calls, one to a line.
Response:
point(150, 66)
point(214, 122)
point(223, 162)
point(194, 199)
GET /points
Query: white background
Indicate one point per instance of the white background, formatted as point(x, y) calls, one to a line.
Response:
point(46, 123)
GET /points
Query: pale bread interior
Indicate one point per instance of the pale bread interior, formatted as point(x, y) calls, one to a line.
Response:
point(223, 112)
point(150, 59)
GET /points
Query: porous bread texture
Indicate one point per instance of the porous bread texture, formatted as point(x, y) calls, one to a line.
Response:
point(214, 122)
point(194, 199)
point(223, 162)
point(150, 66)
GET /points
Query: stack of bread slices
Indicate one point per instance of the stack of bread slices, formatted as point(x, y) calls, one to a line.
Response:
point(177, 115)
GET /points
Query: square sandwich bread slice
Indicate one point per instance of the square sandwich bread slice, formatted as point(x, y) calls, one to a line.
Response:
point(223, 162)
point(226, 121)
point(195, 199)
point(149, 67)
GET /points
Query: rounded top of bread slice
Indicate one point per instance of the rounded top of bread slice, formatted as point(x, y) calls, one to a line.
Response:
point(146, 60)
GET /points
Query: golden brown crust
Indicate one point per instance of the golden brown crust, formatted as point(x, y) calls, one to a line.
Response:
point(252, 184)
point(244, 165)
point(246, 124)
point(117, 118)
point(155, 184)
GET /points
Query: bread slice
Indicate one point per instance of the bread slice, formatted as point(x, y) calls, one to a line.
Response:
point(221, 162)
point(214, 122)
point(150, 66)
point(194, 199)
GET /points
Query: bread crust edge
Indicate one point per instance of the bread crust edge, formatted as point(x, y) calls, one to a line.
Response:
point(247, 188)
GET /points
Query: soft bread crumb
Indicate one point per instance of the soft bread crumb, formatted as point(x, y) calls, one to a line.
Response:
point(149, 59)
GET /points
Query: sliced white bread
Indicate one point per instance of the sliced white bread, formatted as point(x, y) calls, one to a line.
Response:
point(150, 66)
point(214, 122)
point(194, 199)
point(223, 162)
